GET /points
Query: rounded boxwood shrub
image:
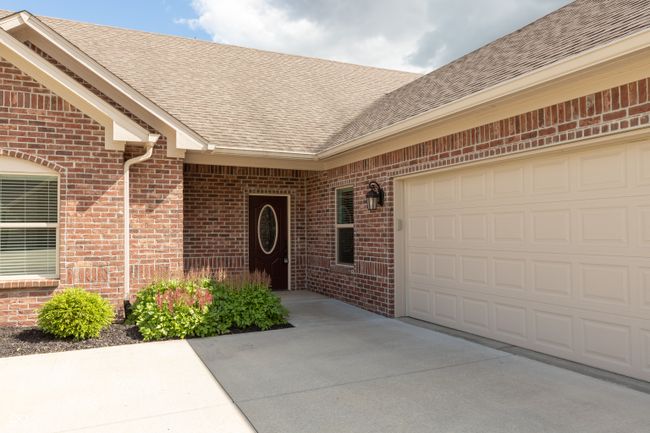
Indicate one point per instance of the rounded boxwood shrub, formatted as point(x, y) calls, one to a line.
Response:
point(75, 313)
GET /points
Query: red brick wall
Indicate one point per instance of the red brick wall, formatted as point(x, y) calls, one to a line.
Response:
point(216, 215)
point(370, 284)
point(156, 216)
point(41, 127)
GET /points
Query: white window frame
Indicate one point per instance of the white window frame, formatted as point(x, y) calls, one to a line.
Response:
point(338, 226)
point(18, 167)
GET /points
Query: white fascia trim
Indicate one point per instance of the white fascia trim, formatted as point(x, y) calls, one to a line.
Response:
point(579, 62)
point(119, 128)
point(186, 138)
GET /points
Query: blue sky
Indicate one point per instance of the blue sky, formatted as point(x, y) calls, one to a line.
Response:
point(420, 37)
point(158, 16)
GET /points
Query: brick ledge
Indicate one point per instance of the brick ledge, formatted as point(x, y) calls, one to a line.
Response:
point(29, 284)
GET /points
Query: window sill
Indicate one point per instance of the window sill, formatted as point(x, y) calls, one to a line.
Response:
point(342, 269)
point(29, 283)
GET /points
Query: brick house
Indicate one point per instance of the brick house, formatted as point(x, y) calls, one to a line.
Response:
point(515, 180)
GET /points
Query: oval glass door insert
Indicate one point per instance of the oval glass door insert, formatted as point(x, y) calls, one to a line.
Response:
point(267, 229)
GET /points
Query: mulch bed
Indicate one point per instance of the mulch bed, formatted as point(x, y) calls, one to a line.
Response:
point(28, 341)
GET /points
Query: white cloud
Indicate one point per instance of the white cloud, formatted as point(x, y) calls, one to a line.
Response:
point(416, 35)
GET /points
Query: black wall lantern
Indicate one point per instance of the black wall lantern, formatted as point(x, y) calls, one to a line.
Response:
point(375, 196)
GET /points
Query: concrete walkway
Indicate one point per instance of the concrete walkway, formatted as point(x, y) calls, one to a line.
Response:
point(342, 369)
point(138, 388)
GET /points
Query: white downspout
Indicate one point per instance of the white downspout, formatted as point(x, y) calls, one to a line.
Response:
point(153, 138)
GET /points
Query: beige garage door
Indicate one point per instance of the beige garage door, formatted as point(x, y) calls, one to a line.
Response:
point(550, 252)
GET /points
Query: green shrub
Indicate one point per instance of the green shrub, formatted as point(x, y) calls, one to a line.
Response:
point(173, 309)
point(75, 313)
point(203, 307)
point(246, 305)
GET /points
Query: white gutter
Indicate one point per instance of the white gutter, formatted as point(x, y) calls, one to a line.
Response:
point(153, 138)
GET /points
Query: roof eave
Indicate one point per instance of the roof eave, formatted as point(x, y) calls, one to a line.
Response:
point(570, 65)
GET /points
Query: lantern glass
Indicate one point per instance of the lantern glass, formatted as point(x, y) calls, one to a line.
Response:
point(372, 200)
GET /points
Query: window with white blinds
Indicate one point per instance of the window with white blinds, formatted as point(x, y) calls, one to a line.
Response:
point(28, 225)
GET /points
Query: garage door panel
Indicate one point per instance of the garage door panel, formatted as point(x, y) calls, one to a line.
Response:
point(419, 265)
point(510, 322)
point(509, 227)
point(473, 187)
point(445, 307)
point(419, 303)
point(607, 342)
point(444, 269)
point(475, 314)
point(554, 278)
point(419, 194)
point(550, 176)
point(604, 283)
point(474, 227)
point(444, 227)
point(554, 331)
point(549, 252)
point(603, 226)
point(419, 228)
point(602, 169)
point(445, 191)
point(509, 273)
point(508, 182)
point(474, 271)
point(550, 226)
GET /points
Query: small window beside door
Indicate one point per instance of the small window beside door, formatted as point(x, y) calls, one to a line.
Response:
point(345, 226)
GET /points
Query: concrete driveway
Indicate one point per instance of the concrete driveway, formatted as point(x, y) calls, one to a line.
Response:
point(137, 388)
point(342, 369)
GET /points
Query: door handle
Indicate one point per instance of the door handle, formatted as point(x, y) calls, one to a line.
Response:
point(286, 260)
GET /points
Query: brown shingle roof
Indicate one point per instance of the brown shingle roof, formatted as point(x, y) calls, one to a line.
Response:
point(577, 27)
point(246, 98)
point(233, 96)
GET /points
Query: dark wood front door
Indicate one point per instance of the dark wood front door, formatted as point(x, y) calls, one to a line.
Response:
point(268, 238)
